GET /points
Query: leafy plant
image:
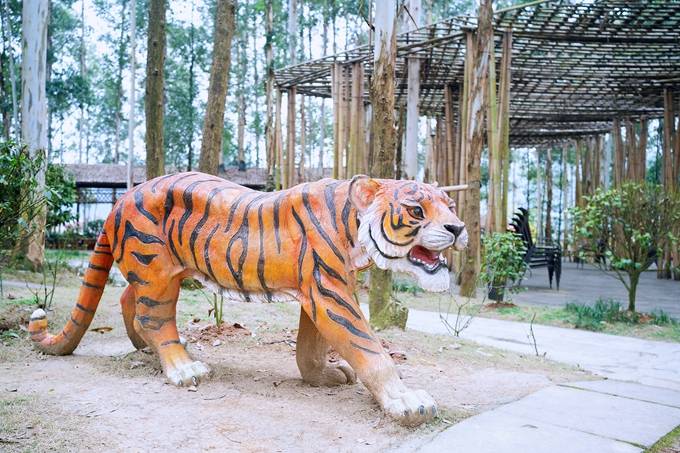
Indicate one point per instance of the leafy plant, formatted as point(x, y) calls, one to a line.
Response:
point(503, 262)
point(61, 195)
point(20, 203)
point(631, 225)
point(93, 228)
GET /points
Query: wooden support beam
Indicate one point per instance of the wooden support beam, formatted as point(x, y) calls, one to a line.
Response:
point(494, 197)
point(290, 141)
point(619, 157)
point(473, 138)
point(504, 123)
point(278, 142)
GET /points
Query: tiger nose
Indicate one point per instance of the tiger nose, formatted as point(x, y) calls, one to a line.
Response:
point(455, 229)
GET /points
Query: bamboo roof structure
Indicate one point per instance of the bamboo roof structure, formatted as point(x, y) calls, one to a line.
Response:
point(575, 65)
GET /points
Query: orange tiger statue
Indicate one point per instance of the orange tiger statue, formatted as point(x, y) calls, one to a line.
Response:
point(303, 244)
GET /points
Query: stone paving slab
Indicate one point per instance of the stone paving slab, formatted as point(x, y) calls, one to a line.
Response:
point(631, 390)
point(492, 432)
point(629, 420)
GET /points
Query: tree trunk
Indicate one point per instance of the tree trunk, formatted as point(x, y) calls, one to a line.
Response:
point(12, 76)
point(270, 138)
point(34, 19)
point(241, 130)
point(192, 94)
point(119, 85)
point(384, 311)
point(131, 96)
point(153, 101)
point(632, 290)
point(410, 159)
point(213, 125)
point(473, 139)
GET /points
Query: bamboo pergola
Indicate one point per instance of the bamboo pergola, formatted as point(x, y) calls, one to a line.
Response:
point(575, 67)
point(563, 73)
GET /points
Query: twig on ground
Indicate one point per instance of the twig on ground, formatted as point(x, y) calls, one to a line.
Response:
point(531, 335)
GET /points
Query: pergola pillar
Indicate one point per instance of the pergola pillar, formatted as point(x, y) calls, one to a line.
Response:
point(289, 171)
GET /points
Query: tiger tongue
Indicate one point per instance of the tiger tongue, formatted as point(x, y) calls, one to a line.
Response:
point(423, 254)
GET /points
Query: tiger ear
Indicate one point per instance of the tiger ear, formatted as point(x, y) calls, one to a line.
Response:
point(362, 190)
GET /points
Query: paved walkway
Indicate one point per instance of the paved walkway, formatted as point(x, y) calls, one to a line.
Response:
point(588, 284)
point(638, 403)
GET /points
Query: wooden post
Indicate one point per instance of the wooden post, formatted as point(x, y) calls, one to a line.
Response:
point(278, 143)
point(504, 124)
point(301, 161)
point(335, 93)
point(642, 151)
point(290, 141)
point(619, 157)
point(451, 176)
point(474, 140)
point(494, 198)
point(548, 195)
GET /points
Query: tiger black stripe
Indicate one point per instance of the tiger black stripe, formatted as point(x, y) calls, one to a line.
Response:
point(316, 272)
point(412, 233)
point(116, 227)
point(152, 322)
point(170, 342)
point(346, 209)
point(389, 257)
point(97, 268)
point(329, 270)
point(329, 196)
point(400, 219)
point(188, 199)
point(233, 209)
point(317, 225)
point(139, 204)
point(144, 259)
point(149, 302)
point(132, 232)
point(260, 258)
point(99, 252)
point(206, 252)
point(86, 310)
point(357, 346)
point(158, 181)
point(172, 243)
point(75, 322)
point(241, 235)
point(170, 198)
point(347, 324)
point(201, 223)
point(91, 285)
point(132, 277)
point(277, 207)
point(104, 246)
point(313, 303)
point(303, 244)
point(384, 234)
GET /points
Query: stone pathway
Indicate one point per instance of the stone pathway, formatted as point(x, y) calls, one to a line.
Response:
point(637, 404)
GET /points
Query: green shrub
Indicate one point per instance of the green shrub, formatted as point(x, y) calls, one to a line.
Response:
point(61, 195)
point(661, 318)
point(630, 225)
point(19, 201)
point(93, 228)
point(503, 261)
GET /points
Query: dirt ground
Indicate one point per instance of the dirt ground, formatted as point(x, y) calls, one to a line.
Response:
point(108, 396)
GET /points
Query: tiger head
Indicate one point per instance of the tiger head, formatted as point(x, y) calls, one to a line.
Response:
point(405, 225)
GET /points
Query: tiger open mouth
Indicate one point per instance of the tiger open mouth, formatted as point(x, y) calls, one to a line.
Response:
point(430, 260)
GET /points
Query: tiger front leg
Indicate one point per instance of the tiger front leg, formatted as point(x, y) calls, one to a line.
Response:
point(340, 321)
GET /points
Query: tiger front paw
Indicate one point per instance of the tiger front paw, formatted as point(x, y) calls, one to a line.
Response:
point(189, 373)
point(410, 407)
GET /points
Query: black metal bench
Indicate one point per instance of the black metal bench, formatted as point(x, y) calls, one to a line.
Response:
point(538, 255)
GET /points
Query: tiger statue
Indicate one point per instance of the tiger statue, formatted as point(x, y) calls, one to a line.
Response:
point(302, 244)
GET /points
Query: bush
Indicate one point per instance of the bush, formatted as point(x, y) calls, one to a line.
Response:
point(19, 201)
point(604, 311)
point(630, 225)
point(93, 228)
point(61, 195)
point(503, 262)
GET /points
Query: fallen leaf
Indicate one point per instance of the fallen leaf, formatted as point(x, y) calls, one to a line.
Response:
point(102, 329)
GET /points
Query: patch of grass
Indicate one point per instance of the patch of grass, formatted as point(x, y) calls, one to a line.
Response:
point(667, 444)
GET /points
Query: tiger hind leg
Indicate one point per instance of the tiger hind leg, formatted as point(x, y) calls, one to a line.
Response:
point(127, 305)
point(155, 323)
point(312, 358)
